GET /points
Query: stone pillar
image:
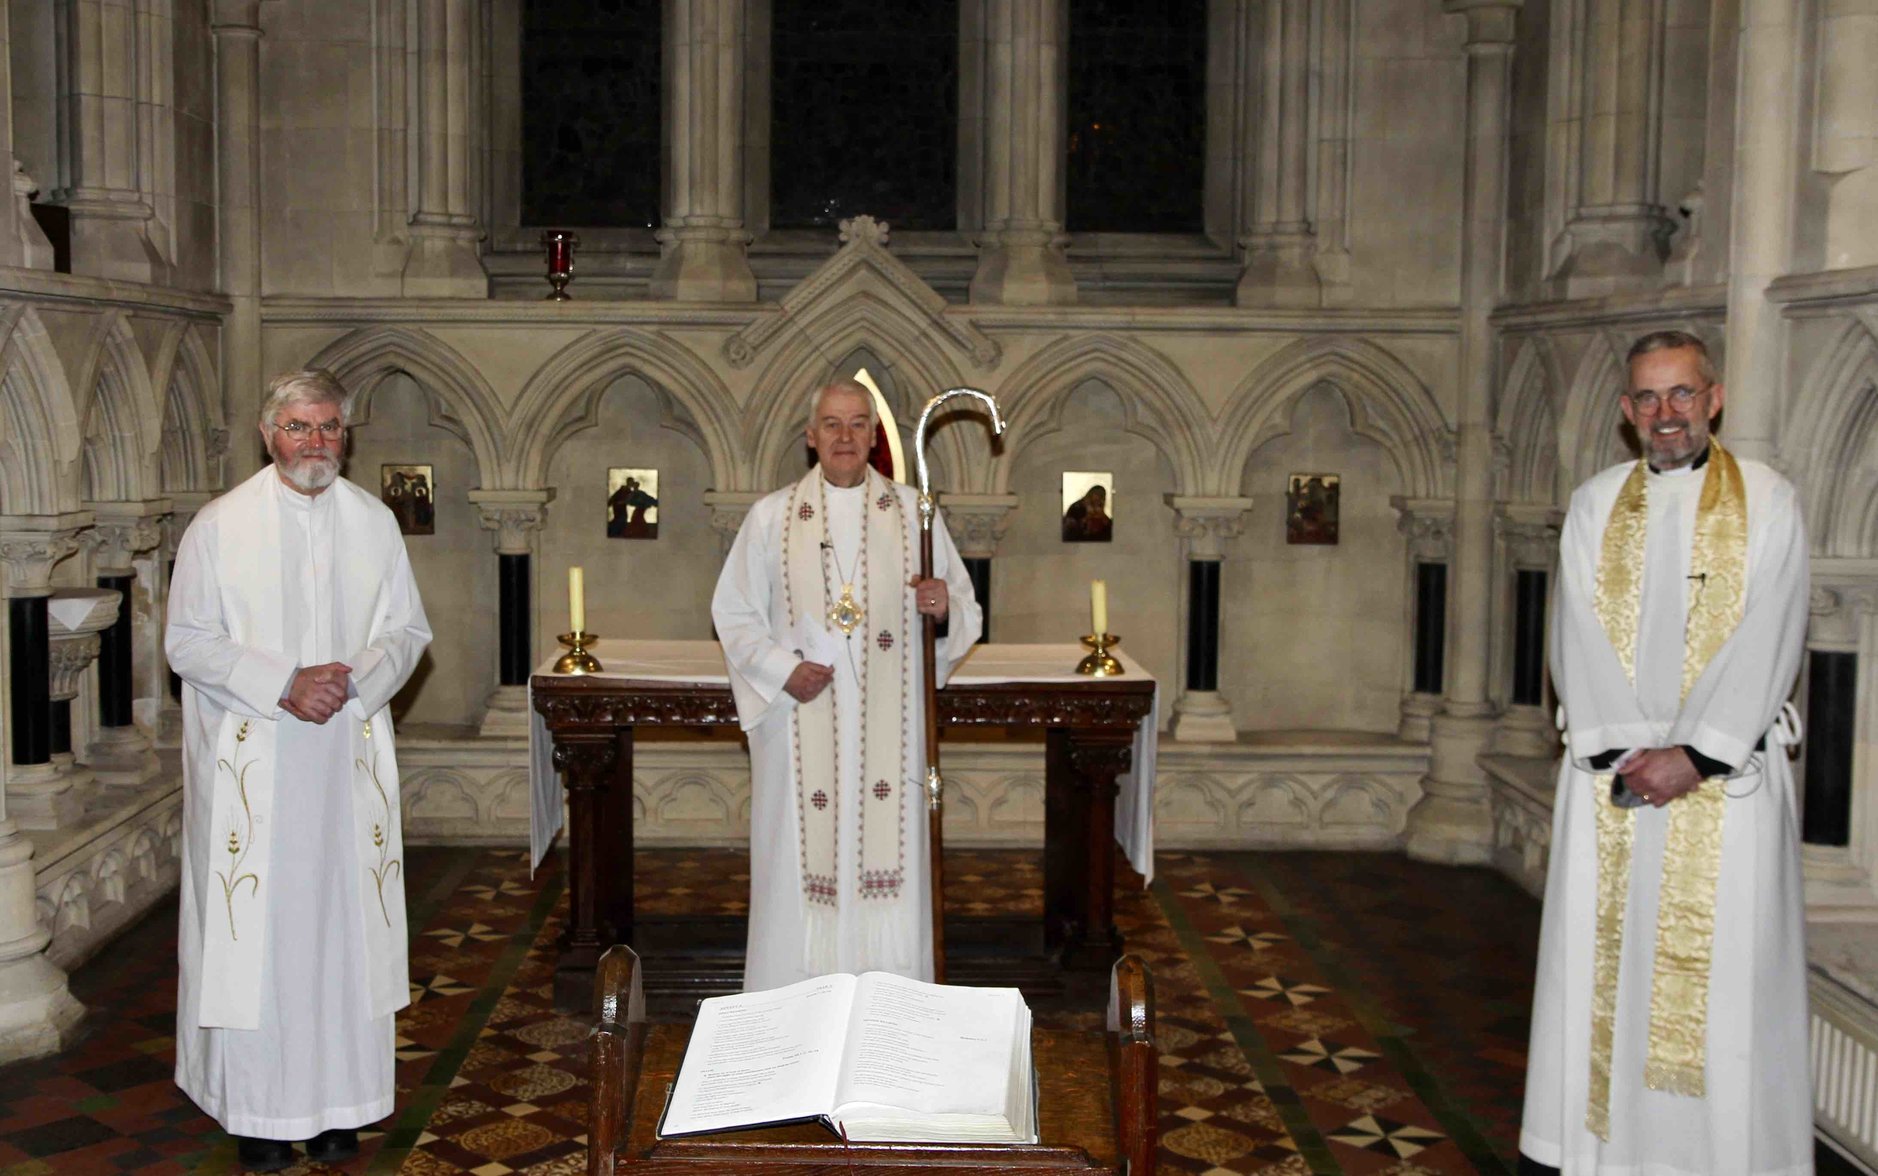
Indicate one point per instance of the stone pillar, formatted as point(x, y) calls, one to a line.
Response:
point(1529, 541)
point(1618, 234)
point(977, 523)
point(704, 258)
point(1020, 254)
point(1453, 822)
point(728, 508)
point(444, 261)
point(1275, 44)
point(37, 1011)
point(22, 243)
point(169, 709)
point(29, 547)
point(1840, 852)
point(121, 754)
point(75, 616)
point(236, 25)
point(106, 189)
point(1761, 225)
point(1428, 524)
point(515, 517)
point(1201, 713)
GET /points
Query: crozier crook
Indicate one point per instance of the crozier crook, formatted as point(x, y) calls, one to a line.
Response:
point(929, 637)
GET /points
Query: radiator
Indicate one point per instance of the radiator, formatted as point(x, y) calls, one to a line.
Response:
point(1845, 1070)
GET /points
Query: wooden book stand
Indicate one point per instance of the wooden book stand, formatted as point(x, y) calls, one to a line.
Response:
point(1097, 1115)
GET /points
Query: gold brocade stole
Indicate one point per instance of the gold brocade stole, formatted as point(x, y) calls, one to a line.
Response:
point(1685, 921)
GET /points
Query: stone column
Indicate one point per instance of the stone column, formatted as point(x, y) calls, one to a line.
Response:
point(1201, 713)
point(728, 508)
point(236, 25)
point(515, 517)
point(22, 243)
point(1020, 254)
point(121, 754)
point(704, 258)
point(29, 548)
point(1428, 524)
point(169, 709)
point(1618, 232)
point(1275, 45)
point(1529, 539)
point(75, 616)
point(105, 191)
point(37, 1011)
point(444, 261)
point(1453, 822)
point(1840, 853)
point(1761, 224)
point(977, 523)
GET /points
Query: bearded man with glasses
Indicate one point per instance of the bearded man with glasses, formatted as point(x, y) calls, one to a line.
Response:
point(293, 619)
point(1669, 1022)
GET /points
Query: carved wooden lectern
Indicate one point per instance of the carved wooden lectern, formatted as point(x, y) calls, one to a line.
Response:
point(1096, 1116)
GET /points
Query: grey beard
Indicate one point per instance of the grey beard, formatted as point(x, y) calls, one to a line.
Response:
point(311, 473)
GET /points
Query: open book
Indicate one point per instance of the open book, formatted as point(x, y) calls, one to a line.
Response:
point(877, 1057)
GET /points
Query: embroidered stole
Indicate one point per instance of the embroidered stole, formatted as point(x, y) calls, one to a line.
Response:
point(1685, 923)
point(878, 647)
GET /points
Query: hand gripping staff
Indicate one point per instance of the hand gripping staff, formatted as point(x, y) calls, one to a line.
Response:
point(929, 633)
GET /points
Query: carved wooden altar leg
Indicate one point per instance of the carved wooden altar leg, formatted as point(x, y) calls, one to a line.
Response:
point(1079, 843)
point(615, 847)
point(587, 761)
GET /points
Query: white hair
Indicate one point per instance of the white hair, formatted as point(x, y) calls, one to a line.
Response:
point(854, 386)
point(309, 386)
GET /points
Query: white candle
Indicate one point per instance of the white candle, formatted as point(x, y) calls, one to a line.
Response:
point(1099, 605)
point(577, 598)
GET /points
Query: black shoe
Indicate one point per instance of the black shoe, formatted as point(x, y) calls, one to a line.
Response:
point(331, 1147)
point(263, 1155)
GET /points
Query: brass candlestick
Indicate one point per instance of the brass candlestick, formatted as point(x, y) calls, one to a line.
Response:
point(577, 660)
point(1100, 663)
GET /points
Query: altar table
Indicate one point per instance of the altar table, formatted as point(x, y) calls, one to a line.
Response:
point(1100, 742)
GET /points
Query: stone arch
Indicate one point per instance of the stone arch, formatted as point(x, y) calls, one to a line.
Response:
point(1528, 425)
point(40, 439)
point(1839, 423)
point(123, 422)
point(1159, 403)
point(195, 435)
point(460, 401)
point(816, 351)
point(1388, 404)
point(562, 397)
point(1593, 433)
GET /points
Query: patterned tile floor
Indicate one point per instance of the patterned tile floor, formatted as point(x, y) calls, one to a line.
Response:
point(1319, 1013)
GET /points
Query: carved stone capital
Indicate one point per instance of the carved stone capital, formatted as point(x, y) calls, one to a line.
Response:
point(1837, 609)
point(728, 508)
point(71, 653)
point(977, 522)
point(121, 531)
point(1429, 525)
point(1530, 534)
point(1208, 524)
point(513, 515)
point(30, 546)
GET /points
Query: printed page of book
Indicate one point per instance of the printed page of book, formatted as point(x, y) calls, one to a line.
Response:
point(761, 1058)
point(931, 1063)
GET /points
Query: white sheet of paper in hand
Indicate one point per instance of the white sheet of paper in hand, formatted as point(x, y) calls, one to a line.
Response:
point(815, 643)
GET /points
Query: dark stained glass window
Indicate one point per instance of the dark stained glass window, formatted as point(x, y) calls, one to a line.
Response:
point(864, 112)
point(591, 122)
point(1137, 116)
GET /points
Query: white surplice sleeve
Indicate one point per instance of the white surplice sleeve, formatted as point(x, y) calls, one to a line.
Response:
point(965, 618)
point(381, 669)
point(244, 679)
point(1739, 693)
point(741, 609)
point(1602, 712)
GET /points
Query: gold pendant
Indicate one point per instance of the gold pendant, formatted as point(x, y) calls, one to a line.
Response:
point(846, 614)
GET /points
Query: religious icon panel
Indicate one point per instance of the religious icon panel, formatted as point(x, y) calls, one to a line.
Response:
point(1311, 508)
point(1088, 506)
point(632, 504)
point(411, 493)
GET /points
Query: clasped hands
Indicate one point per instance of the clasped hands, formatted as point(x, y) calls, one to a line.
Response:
point(809, 678)
point(1660, 775)
point(318, 692)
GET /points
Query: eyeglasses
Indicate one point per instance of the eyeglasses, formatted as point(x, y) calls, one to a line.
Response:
point(1680, 397)
point(301, 431)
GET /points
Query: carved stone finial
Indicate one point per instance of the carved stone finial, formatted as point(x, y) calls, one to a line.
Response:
point(864, 230)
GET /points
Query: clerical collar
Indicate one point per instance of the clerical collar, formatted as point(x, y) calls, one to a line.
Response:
point(1701, 459)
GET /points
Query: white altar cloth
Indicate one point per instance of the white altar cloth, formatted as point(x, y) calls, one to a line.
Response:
point(701, 663)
